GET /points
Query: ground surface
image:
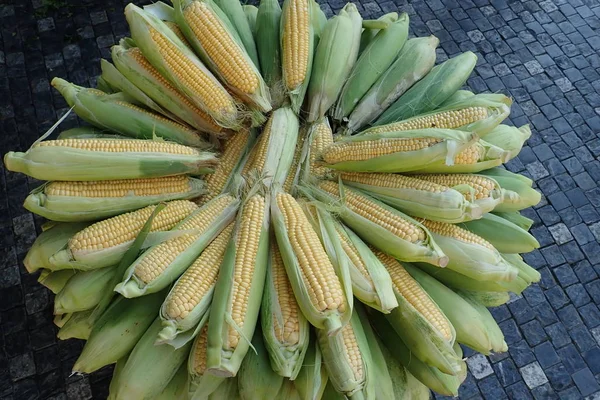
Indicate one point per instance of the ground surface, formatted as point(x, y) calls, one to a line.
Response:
point(545, 54)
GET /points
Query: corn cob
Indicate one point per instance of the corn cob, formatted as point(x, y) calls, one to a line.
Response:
point(202, 384)
point(380, 225)
point(251, 13)
point(414, 62)
point(433, 90)
point(416, 197)
point(319, 137)
point(235, 14)
point(487, 299)
point(161, 264)
point(83, 291)
point(117, 331)
point(372, 63)
point(107, 159)
point(333, 68)
point(494, 331)
point(369, 33)
point(55, 280)
point(284, 328)
point(312, 378)
point(85, 201)
point(400, 151)
point(267, 43)
point(134, 66)
point(77, 326)
point(169, 55)
point(505, 236)
point(239, 289)
point(104, 243)
point(516, 218)
point(509, 138)
point(212, 36)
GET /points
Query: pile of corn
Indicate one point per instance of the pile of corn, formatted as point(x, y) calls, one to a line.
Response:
point(271, 205)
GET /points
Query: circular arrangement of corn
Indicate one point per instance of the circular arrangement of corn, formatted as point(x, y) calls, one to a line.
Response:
point(270, 204)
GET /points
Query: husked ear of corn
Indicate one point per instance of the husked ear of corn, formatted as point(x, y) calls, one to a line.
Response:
point(376, 58)
point(285, 330)
point(55, 280)
point(399, 151)
point(318, 287)
point(181, 67)
point(212, 36)
point(431, 91)
point(332, 67)
point(88, 201)
point(239, 288)
point(312, 378)
point(381, 225)
point(104, 243)
point(509, 138)
point(202, 383)
point(158, 266)
point(235, 14)
point(83, 291)
point(107, 159)
point(268, 23)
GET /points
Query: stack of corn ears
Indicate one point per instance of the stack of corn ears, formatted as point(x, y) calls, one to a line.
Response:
point(270, 204)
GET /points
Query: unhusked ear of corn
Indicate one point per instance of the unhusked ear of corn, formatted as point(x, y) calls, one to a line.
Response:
point(107, 159)
point(104, 243)
point(318, 138)
point(284, 328)
point(190, 298)
point(516, 218)
point(381, 225)
point(235, 14)
point(87, 132)
point(202, 384)
point(470, 254)
point(239, 288)
point(117, 331)
point(486, 299)
point(459, 95)
point(158, 266)
point(321, 294)
point(431, 91)
point(494, 332)
point(526, 272)
point(83, 291)
point(398, 374)
point(88, 201)
point(517, 192)
point(312, 378)
point(297, 35)
point(509, 138)
point(212, 36)
point(416, 197)
point(55, 280)
point(178, 387)
point(135, 67)
point(251, 15)
point(507, 177)
point(398, 151)
point(369, 33)
point(180, 66)
point(372, 63)
point(331, 68)
point(268, 23)
point(77, 326)
point(505, 236)
point(419, 321)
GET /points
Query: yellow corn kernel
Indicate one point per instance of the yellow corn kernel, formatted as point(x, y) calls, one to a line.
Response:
point(394, 181)
point(201, 345)
point(175, 28)
point(289, 333)
point(456, 232)
point(198, 278)
point(322, 139)
point(406, 285)
point(372, 211)
point(352, 352)
point(289, 180)
point(470, 155)
point(450, 119)
point(368, 149)
point(122, 146)
point(325, 289)
point(482, 185)
point(120, 187)
point(258, 155)
point(352, 253)
point(154, 116)
point(221, 47)
point(295, 42)
point(125, 227)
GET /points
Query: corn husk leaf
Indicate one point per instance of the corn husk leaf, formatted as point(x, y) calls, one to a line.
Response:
point(509, 138)
point(55, 280)
point(77, 326)
point(48, 243)
point(83, 291)
point(312, 378)
point(505, 236)
point(516, 218)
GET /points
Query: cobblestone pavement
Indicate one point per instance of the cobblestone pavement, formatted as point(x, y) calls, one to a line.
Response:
point(542, 53)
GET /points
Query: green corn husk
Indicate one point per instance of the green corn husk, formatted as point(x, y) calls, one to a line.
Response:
point(251, 13)
point(526, 272)
point(114, 382)
point(260, 97)
point(372, 63)
point(368, 34)
point(494, 332)
point(518, 194)
point(377, 235)
point(141, 25)
point(61, 319)
point(487, 299)
point(114, 113)
point(396, 371)
point(441, 83)
point(286, 355)
point(134, 66)
point(462, 375)
point(83, 291)
point(288, 391)
point(330, 393)
point(103, 86)
point(470, 331)
point(83, 208)
point(413, 63)
point(177, 387)
point(133, 285)
point(516, 218)
point(449, 205)
point(256, 379)
point(201, 383)
point(437, 156)
point(505, 236)
point(149, 367)
point(55, 280)
point(117, 331)
point(224, 358)
point(77, 326)
point(65, 163)
point(433, 378)
point(312, 378)
point(267, 42)
point(227, 390)
point(88, 132)
point(48, 243)
point(332, 68)
point(507, 176)
point(509, 138)
point(459, 95)
point(235, 14)
point(319, 20)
